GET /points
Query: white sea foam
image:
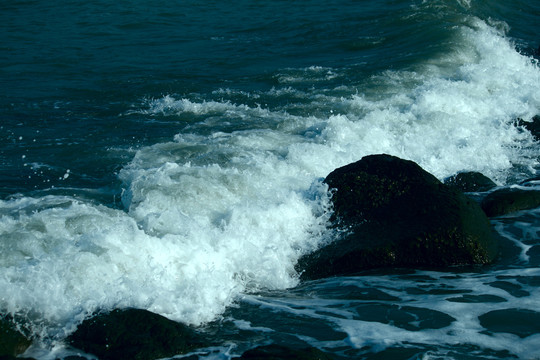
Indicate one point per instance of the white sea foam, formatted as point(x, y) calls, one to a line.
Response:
point(64, 259)
point(307, 75)
point(169, 105)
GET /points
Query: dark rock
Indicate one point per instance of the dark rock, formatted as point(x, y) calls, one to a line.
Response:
point(134, 334)
point(278, 352)
point(520, 322)
point(533, 126)
point(398, 215)
point(470, 182)
point(508, 200)
point(12, 342)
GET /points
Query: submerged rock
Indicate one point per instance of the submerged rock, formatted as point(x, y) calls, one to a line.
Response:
point(508, 200)
point(395, 214)
point(134, 334)
point(278, 352)
point(471, 181)
point(12, 342)
point(533, 125)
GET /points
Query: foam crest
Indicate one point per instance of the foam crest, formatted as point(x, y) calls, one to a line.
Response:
point(168, 105)
point(455, 112)
point(310, 74)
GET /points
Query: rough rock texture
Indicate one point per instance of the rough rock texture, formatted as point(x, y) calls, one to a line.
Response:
point(134, 334)
point(508, 200)
point(12, 342)
point(278, 352)
point(398, 215)
point(470, 182)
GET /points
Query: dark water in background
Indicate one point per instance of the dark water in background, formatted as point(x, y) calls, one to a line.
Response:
point(168, 156)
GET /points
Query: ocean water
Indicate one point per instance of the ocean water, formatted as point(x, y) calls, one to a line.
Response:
point(169, 156)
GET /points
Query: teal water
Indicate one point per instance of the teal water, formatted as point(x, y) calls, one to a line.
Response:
point(169, 156)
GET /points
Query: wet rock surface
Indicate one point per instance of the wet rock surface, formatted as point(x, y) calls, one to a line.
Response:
point(470, 182)
point(508, 200)
point(392, 213)
point(134, 334)
point(532, 125)
point(12, 341)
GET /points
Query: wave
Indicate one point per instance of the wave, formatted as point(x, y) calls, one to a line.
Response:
point(228, 205)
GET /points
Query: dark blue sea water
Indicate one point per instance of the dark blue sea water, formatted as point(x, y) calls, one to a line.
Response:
point(168, 155)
